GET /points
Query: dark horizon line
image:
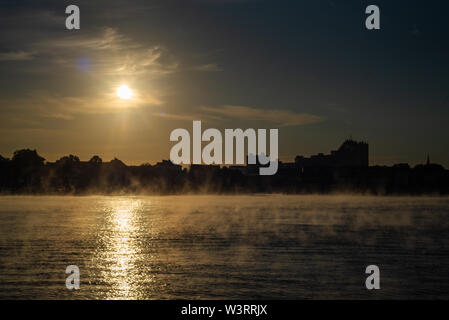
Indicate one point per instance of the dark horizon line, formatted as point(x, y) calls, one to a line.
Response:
point(164, 161)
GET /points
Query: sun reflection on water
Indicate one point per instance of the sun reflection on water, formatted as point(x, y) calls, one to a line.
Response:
point(120, 252)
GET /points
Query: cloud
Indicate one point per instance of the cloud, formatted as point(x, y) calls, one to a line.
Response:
point(281, 118)
point(109, 53)
point(106, 39)
point(16, 56)
point(187, 116)
point(108, 57)
point(45, 105)
point(211, 67)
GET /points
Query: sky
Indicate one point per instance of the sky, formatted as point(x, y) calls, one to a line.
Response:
point(309, 68)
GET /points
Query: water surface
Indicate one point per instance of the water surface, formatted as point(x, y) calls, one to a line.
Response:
point(230, 247)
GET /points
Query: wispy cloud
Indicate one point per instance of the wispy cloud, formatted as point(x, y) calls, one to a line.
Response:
point(281, 118)
point(187, 116)
point(16, 56)
point(45, 105)
point(109, 53)
point(224, 114)
point(211, 67)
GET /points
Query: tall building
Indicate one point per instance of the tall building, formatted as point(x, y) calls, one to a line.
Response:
point(350, 154)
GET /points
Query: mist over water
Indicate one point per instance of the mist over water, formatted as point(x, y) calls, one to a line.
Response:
point(231, 247)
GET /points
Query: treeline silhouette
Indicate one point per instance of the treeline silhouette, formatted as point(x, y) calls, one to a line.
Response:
point(28, 173)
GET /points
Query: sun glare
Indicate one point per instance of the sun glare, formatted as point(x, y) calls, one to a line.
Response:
point(123, 92)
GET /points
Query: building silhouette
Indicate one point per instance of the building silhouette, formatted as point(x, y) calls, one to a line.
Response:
point(344, 170)
point(350, 154)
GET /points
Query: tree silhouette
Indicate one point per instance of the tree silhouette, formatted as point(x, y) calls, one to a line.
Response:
point(27, 158)
point(26, 167)
point(28, 173)
point(95, 160)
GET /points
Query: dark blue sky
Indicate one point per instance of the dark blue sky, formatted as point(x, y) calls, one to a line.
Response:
point(228, 63)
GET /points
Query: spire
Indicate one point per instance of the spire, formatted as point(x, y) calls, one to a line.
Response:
point(428, 159)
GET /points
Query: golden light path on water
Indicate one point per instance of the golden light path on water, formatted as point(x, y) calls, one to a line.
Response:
point(120, 252)
point(223, 247)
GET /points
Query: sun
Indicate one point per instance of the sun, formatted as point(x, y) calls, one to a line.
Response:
point(123, 92)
